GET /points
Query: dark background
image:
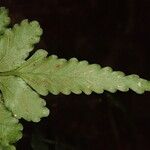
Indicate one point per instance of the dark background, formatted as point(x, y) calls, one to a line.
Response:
point(113, 33)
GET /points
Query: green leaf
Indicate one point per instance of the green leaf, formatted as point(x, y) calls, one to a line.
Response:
point(58, 75)
point(10, 129)
point(16, 43)
point(22, 100)
point(9, 147)
point(4, 19)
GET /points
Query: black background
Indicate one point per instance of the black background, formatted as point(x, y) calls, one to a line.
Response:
point(113, 33)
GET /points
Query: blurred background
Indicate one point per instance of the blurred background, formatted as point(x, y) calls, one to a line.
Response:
point(113, 33)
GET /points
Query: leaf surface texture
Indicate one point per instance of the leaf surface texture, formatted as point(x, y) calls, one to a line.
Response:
point(20, 99)
point(50, 74)
point(10, 129)
point(4, 19)
point(16, 43)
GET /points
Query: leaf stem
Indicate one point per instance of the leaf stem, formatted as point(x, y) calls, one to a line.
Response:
point(8, 73)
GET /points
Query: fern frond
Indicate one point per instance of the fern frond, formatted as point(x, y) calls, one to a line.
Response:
point(59, 75)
